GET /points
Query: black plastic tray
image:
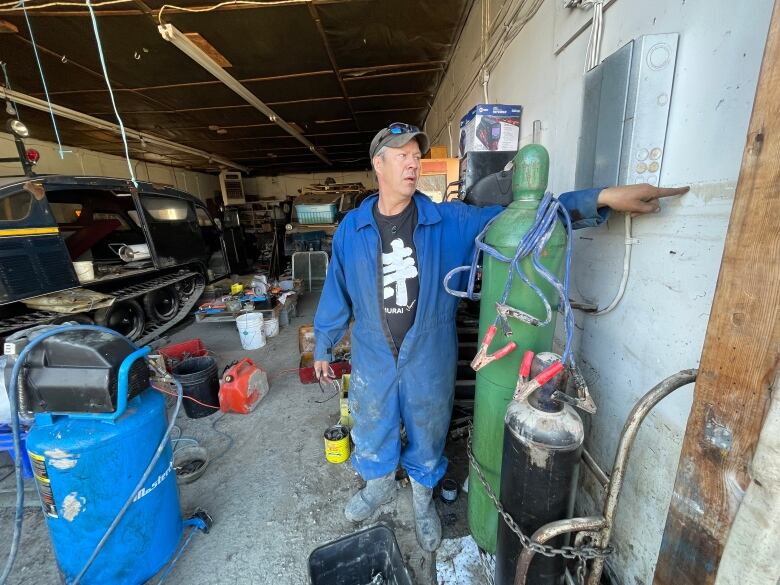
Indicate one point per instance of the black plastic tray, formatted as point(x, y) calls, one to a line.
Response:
point(357, 558)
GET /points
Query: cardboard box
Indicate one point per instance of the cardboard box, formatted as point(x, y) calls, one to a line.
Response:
point(306, 341)
point(436, 151)
point(490, 127)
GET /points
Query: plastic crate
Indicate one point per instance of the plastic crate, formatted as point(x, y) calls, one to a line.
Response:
point(357, 558)
point(178, 352)
point(311, 268)
point(316, 214)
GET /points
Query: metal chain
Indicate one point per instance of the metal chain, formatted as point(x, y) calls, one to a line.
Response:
point(569, 552)
point(581, 571)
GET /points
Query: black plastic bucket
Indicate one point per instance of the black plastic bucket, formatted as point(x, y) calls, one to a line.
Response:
point(199, 380)
point(358, 558)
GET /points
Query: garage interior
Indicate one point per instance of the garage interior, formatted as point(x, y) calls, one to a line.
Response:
point(177, 174)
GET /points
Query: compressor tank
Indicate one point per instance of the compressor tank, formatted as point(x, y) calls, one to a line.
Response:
point(496, 381)
point(85, 468)
point(542, 449)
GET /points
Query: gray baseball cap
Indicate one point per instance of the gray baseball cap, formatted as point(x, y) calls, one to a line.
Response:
point(397, 135)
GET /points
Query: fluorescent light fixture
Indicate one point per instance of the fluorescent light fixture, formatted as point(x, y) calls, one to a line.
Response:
point(41, 105)
point(185, 45)
point(209, 49)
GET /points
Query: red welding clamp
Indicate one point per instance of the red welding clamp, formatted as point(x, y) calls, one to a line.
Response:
point(525, 365)
point(483, 358)
point(525, 388)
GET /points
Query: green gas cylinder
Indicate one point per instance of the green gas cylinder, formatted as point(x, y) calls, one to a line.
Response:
point(496, 381)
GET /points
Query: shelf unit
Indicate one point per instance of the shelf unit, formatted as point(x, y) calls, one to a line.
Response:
point(253, 215)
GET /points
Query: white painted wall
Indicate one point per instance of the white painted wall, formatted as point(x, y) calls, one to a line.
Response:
point(283, 186)
point(80, 161)
point(659, 326)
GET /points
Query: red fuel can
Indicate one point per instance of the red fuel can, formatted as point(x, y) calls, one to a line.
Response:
point(242, 387)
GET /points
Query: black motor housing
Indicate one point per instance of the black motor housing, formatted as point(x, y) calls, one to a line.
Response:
point(78, 371)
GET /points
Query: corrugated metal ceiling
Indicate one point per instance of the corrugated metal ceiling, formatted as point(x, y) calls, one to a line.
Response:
point(389, 55)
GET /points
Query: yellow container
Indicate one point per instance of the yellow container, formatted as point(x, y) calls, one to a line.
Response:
point(337, 444)
point(236, 288)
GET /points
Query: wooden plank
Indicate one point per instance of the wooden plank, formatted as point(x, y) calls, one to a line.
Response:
point(740, 355)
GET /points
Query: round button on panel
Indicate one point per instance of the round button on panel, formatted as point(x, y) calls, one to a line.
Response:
point(659, 56)
point(655, 154)
point(642, 154)
point(641, 167)
point(653, 168)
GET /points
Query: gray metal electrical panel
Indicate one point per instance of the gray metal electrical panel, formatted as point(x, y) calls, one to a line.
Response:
point(624, 114)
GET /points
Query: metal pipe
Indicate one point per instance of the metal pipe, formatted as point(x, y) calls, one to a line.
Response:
point(630, 430)
point(390, 67)
point(186, 46)
point(139, 11)
point(332, 58)
point(591, 464)
point(395, 74)
point(192, 83)
point(550, 531)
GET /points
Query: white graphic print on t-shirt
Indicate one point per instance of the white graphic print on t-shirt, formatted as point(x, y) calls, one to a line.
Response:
point(398, 267)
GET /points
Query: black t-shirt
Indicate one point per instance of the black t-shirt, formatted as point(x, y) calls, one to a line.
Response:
point(400, 281)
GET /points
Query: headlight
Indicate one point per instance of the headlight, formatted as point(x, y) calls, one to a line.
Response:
point(18, 128)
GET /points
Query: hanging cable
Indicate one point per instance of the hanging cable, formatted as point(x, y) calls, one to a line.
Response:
point(510, 20)
point(629, 241)
point(122, 132)
point(593, 50)
point(449, 131)
point(64, 3)
point(485, 75)
point(17, 3)
point(43, 81)
point(594, 42)
point(228, 2)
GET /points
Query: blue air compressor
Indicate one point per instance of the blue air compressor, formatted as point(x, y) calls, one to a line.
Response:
point(100, 453)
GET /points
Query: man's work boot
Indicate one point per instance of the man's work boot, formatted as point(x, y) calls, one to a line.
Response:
point(426, 519)
point(377, 492)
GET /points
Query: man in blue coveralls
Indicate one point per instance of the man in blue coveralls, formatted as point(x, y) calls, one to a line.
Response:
point(389, 258)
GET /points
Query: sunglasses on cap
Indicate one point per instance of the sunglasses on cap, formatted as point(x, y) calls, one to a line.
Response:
point(401, 128)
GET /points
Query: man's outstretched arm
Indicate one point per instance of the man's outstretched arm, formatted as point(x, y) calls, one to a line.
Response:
point(590, 207)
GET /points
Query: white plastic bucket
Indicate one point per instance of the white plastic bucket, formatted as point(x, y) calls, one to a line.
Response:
point(250, 330)
point(85, 270)
point(271, 327)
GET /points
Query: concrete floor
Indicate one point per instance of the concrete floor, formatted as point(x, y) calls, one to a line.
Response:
point(272, 495)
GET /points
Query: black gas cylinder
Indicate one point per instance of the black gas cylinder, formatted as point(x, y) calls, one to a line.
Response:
point(542, 448)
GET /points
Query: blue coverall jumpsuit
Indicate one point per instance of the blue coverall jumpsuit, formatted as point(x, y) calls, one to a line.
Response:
point(415, 384)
